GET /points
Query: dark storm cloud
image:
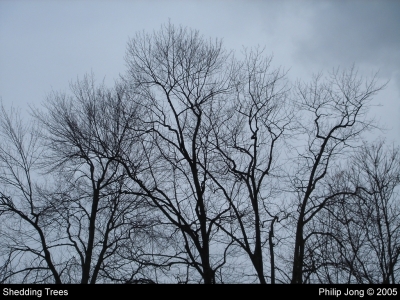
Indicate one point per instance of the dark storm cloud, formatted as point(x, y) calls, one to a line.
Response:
point(346, 32)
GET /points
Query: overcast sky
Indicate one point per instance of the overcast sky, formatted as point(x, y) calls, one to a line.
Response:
point(44, 45)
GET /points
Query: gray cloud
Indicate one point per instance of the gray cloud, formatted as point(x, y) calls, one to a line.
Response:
point(360, 32)
point(46, 44)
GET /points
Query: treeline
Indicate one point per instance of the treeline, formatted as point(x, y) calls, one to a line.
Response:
point(199, 167)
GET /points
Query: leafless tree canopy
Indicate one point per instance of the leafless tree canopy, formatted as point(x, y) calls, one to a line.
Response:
point(199, 167)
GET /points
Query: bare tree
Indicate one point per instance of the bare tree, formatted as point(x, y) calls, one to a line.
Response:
point(364, 230)
point(97, 203)
point(247, 137)
point(180, 78)
point(336, 109)
point(88, 212)
point(376, 173)
point(27, 220)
